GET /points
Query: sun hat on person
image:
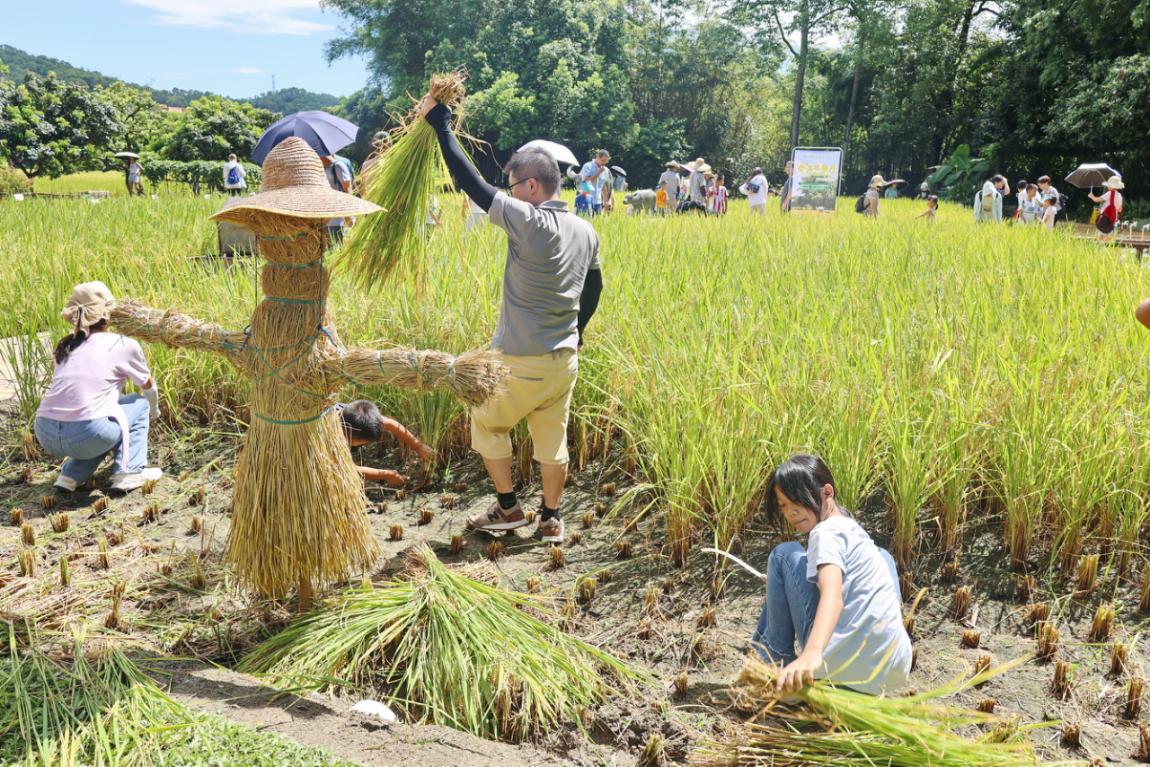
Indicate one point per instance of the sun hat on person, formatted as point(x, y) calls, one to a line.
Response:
point(90, 303)
point(877, 180)
point(294, 184)
point(1114, 182)
point(698, 166)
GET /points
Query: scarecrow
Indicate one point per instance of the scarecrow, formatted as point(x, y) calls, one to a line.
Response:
point(298, 509)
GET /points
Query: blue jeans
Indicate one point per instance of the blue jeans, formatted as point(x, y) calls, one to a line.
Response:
point(790, 604)
point(85, 443)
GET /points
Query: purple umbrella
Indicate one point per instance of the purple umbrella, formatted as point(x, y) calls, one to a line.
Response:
point(325, 133)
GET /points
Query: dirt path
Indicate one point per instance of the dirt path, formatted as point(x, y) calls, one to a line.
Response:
point(325, 722)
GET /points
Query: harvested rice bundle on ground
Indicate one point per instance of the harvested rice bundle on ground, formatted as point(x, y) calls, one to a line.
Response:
point(90, 710)
point(912, 731)
point(401, 178)
point(448, 649)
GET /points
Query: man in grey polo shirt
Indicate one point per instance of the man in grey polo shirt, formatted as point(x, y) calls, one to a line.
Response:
point(551, 287)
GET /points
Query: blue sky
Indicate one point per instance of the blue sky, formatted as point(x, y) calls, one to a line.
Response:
point(233, 47)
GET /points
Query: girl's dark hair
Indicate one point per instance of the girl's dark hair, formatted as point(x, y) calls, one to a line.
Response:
point(72, 341)
point(932, 198)
point(801, 479)
point(362, 420)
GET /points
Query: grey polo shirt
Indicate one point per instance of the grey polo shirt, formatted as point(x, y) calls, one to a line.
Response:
point(549, 251)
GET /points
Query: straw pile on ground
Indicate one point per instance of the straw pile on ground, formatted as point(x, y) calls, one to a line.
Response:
point(448, 649)
point(401, 177)
point(297, 515)
point(842, 727)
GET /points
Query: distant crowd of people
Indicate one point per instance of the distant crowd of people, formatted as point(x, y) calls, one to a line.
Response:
point(692, 187)
point(1040, 202)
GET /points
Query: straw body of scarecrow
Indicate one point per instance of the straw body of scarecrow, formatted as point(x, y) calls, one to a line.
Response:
point(298, 509)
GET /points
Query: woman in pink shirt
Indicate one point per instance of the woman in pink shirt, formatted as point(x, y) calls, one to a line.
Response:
point(84, 415)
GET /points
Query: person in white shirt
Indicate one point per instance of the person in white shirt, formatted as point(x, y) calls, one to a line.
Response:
point(755, 188)
point(669, 184)
point(1049, 211)
point(234, 175)
point(838, 599)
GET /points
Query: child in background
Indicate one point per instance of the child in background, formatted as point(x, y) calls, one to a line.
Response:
point(661, 201)
point(1030, 205)
point(839, 598)
point(583, 198)
point(1019, 195)
point(1049, 211)
point(717, 203)
point(931, 208)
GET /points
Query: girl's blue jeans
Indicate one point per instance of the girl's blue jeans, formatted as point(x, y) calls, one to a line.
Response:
point(85, 443)
point(790, 604)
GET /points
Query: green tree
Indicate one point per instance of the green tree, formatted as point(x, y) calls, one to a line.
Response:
point(49, 127)
point(213, 126)
point(143, 124)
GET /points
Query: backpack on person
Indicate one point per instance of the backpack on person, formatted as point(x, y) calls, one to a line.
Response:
point(234, 175)
point(1108, 216)
point(860, 203)
point(988, 204)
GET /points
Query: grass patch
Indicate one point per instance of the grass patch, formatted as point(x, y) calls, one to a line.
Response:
point(103, 709)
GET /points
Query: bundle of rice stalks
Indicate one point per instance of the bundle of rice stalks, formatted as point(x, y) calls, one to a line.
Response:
point(447, 649)
point(89, 710)
point(402, 176)
point(913, 731)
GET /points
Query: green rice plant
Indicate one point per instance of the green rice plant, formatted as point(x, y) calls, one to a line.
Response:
point(96, 706)
point(840, 726)
point(401, 179)
point(447, 649)
point(721, 347)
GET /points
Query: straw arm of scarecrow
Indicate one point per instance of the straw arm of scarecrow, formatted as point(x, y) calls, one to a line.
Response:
point(472, 377)
point(174, 329)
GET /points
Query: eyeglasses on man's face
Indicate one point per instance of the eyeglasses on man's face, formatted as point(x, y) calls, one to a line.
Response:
point(511, 187)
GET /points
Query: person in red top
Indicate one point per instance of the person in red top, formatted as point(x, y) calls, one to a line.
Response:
point(1110, 209)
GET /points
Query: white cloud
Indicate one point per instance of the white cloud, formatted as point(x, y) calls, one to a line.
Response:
point(248, 71)
point(266, 17)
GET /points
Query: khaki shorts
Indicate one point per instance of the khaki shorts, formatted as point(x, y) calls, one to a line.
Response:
point(538, 389)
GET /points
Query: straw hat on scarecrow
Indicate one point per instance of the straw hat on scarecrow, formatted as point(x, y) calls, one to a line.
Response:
point(294, 184)
point(298, 508)
point(877, 181)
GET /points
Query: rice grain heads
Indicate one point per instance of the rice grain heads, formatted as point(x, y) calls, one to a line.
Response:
point(400, 177)
point(447, 649)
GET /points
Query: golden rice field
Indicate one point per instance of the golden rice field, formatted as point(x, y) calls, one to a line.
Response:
point(945, 371)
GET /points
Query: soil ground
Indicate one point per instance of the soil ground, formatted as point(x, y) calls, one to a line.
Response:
point(180, 602)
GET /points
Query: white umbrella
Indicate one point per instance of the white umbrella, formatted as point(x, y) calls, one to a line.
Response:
point(1091, 175)
point(561, 154)
point(618, 170)
point(128, 155)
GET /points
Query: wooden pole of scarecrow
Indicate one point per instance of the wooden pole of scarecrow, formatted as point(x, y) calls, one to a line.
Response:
point(298, 509)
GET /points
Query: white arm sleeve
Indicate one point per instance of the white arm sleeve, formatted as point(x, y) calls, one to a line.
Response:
point(152, 395)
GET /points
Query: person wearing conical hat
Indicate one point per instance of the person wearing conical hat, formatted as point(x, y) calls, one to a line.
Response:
point(873, 193)
point(697, 184)
point(83, 417)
